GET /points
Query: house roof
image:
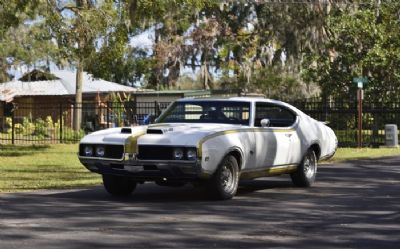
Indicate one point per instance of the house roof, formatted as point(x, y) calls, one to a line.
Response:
point(38, 75)
point(65, 85)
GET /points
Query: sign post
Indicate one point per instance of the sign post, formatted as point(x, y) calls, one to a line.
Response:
point(360, 81)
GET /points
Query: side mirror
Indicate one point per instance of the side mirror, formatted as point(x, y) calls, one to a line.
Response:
point(265, 122)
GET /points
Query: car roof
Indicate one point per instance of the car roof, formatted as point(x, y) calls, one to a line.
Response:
point(241, 99)
point(244, 99)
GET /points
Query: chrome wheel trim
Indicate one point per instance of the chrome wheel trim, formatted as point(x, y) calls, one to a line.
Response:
point(227, 178)
point(309, 166)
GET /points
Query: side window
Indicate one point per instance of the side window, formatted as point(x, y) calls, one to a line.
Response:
point(278, 116)
point(237, 113)
point(193, 112)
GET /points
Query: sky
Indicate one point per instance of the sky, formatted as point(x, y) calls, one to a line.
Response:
point(144, 40)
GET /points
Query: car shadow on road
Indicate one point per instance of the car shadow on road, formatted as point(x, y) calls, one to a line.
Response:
point(150, 192)
point(352, 205)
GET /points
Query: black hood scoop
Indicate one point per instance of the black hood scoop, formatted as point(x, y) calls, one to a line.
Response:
point(154, 131)
point(126, 130)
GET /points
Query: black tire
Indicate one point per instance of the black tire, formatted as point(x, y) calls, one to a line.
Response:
point(306, 171)
point(224, 183)
point(118, 185)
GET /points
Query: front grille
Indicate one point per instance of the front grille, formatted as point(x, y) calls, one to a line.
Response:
point(154, 152)
point(111, 151)
point(114, 151)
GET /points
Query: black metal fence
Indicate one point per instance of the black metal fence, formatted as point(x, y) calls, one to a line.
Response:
point(53, 122)
point(42, 123)
point(342, 117)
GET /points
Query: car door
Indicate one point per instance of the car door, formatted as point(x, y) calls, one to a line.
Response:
point(274, 143)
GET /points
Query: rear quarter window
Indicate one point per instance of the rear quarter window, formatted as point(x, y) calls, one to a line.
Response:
point(279, 116)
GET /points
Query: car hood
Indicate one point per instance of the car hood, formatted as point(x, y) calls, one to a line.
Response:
point(113, 135)
point(158, 134)
point(181, 134)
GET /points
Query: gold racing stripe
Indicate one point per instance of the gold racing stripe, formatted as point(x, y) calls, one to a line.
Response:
point(221, 133)
point(131, 142)
point(269, 171)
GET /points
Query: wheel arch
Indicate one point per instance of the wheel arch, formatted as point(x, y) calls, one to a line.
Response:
point(317, 149)
point(237, 153)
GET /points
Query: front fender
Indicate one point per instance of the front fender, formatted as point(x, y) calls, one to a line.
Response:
point(212, 149)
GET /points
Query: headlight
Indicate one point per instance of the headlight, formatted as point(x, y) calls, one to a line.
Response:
point(191, 154)
point(88, 151)
point(100, 151)
point(178, 154)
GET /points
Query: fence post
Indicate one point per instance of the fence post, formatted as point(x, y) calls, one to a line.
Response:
point(12, 128)
point(61, 123)
point(155, 108)
point(356, 121)
point(326, 108)
point(108, 114)
point(135, 112)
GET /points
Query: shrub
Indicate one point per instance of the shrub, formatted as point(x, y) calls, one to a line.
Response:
point(19, 128)
point(71, 136)
point(8, 124)
point(57, 124)
point(40, 128)
point(28, 126)
point(49, 122)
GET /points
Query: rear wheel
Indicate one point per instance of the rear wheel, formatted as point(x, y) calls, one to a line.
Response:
point(118, 185)
point(223, 185)
point(307, 170)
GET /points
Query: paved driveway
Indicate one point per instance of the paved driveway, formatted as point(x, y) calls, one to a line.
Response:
point(353, 205)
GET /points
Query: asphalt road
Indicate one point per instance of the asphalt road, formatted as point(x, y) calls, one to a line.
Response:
point(353, 205)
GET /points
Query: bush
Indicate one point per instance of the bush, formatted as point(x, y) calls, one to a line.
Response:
point(49, 122)
point(8, 124)
point(57, 124)
point(19, 128)
point(71, 136)
point(28, 126)
point(40, 128)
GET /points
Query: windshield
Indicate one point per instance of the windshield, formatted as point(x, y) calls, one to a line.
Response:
point(225, 112)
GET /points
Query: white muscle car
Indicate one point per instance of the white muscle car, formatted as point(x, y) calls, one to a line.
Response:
point(211, 142)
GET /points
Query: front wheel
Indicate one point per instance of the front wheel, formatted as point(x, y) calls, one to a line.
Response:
point(307, 170)
point(118, 185)
point(223, 185)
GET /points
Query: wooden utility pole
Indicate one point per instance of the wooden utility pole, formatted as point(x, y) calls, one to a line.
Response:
point(360, 81)
point(360, 93)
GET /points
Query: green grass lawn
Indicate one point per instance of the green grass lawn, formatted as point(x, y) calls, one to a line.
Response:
point(26, 168)
point(343, 154)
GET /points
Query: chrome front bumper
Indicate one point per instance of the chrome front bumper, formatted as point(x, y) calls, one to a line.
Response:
point(147, 170)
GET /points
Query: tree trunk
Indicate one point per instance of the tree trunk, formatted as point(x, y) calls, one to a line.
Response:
point(205, 77)
point(78, 97)
point(174, 73)
point(3, 70)
point(204, 73)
